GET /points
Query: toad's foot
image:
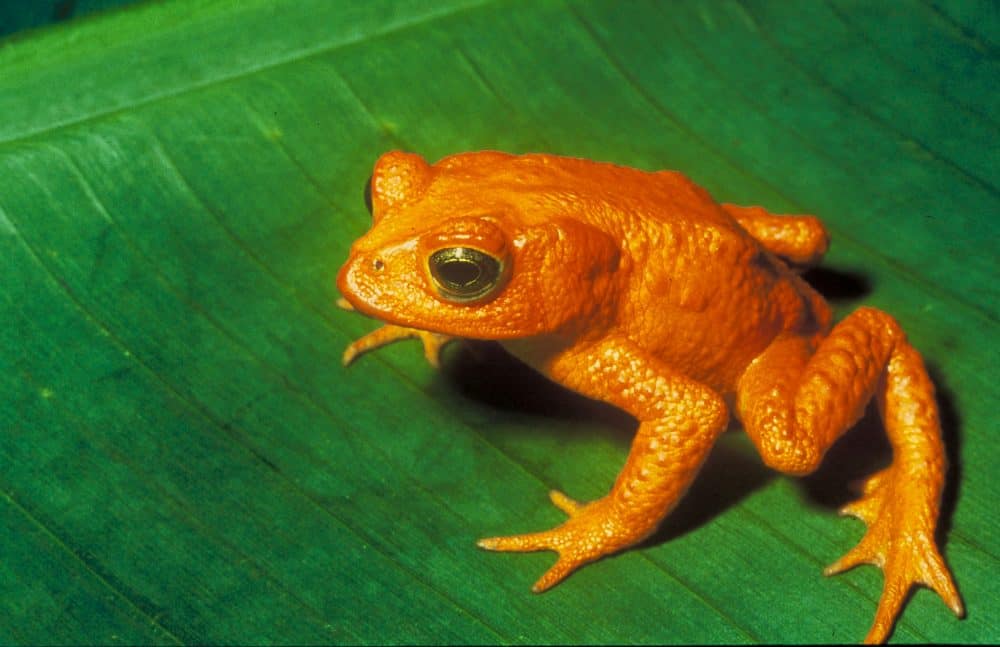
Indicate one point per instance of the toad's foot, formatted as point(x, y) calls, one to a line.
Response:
point(433, 342)
point(900, 541)
point(592, 531)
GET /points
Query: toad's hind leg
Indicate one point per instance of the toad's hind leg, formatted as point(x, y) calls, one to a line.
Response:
point(800, 240)
point(794, 402)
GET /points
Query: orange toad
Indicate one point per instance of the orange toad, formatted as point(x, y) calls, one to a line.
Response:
point(639, 290)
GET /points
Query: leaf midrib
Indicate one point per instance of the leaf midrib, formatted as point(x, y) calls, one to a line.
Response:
point(241, 72)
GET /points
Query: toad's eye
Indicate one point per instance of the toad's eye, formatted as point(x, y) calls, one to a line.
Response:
point(464, 274)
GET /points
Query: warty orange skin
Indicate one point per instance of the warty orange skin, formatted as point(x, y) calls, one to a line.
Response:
point(640, 290)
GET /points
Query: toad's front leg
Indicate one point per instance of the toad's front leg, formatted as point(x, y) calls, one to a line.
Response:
point(679, 422)
point(433, 342)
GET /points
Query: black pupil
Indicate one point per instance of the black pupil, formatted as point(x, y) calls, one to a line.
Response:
point(460, 271)
point(464, 273)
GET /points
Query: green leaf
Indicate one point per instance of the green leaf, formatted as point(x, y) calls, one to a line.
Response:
point(182, 457)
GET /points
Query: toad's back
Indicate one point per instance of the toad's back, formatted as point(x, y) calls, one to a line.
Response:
point(685, 259)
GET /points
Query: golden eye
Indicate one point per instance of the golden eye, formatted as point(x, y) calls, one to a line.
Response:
point(463, 273)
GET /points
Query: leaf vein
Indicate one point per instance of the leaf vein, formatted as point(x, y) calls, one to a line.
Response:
point(864, 112)
point(302, 54)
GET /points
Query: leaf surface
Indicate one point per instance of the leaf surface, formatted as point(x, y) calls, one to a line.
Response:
point(185, 461)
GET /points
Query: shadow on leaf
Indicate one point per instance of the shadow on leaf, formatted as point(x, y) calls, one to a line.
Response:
point(485, 373)
point(838, 285)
